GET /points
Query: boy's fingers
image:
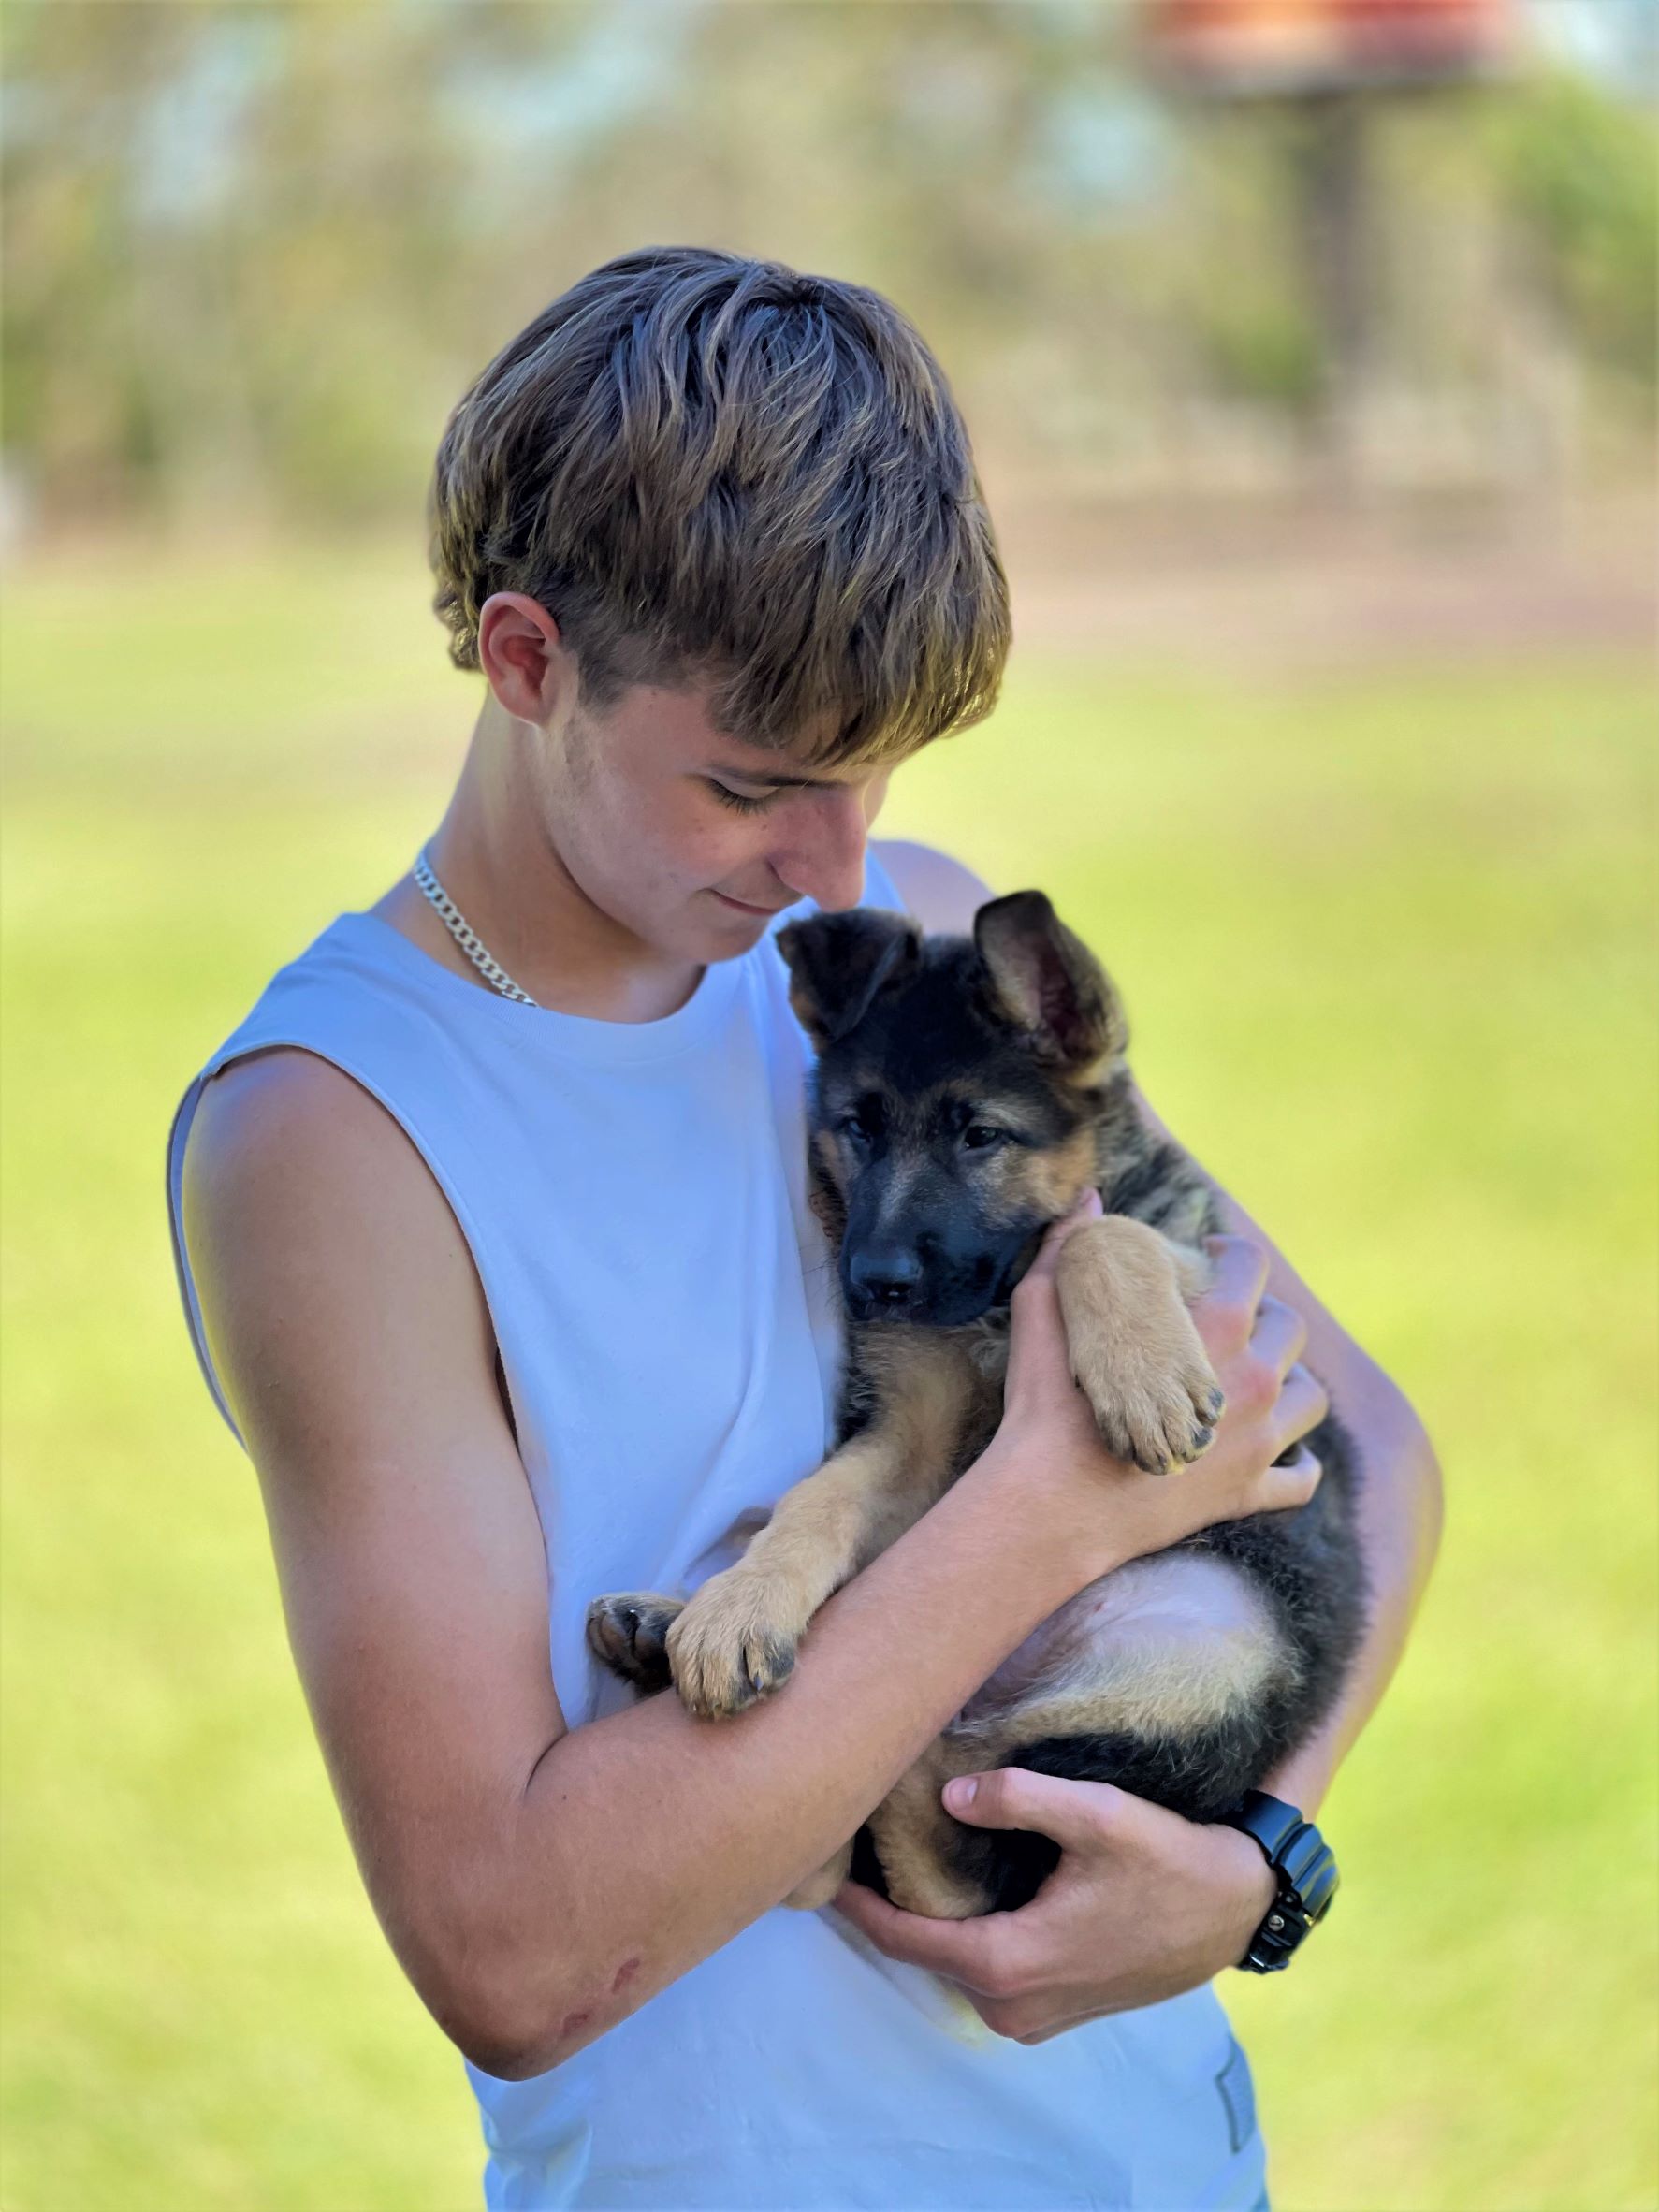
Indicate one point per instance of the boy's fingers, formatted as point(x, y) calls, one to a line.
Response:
point(1239, 1272)
point(1038, 1358)
point(1077, 1815)
point(1280, 1335)
point(1037, 1339)
point(1304, 1403)
point(1294, 1483)
point(1085, 1207)
point(965, 1950)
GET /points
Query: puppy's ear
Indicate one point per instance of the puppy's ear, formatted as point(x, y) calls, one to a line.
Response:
point(839, 963)
point(1048, 983)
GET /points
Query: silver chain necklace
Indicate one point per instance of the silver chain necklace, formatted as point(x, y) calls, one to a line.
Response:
point(464, 934)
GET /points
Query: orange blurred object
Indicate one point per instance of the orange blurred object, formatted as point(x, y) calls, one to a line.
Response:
point(1306, 46)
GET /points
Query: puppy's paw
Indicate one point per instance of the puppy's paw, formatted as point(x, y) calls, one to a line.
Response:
point(629, 1632)
point(1155, 1401)
point(734, 1644)
point(1135, 1350)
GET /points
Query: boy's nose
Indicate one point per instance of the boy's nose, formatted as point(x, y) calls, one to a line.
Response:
point(825, 862)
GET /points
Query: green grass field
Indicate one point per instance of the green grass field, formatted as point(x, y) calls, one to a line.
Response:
point(1389, 945)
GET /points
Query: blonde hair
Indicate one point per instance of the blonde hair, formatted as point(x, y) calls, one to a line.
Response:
point(710, 469)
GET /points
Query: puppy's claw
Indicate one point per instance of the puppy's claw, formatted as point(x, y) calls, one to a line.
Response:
point(1157, 1427)
point(726, 1649)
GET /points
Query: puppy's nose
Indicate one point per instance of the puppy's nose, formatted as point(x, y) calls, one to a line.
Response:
point(887, 1276)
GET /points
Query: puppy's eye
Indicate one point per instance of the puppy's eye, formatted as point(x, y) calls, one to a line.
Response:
point(852, 1127)
point(980, 1136)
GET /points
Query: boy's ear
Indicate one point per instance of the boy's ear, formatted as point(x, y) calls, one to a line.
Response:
point(1047, 982)
point(839, 963)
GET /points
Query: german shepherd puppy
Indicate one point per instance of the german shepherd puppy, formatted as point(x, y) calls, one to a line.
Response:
point(966, 1091)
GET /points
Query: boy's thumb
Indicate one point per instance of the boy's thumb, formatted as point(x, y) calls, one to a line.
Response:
point(1085, 1207)
point(1075, 1814)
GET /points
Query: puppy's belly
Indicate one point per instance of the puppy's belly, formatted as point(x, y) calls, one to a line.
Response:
point(1164, 1646)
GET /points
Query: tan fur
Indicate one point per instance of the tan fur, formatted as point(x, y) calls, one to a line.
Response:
point(1135, 1352)
point(736, 1638)
point(803, 1006)
point(829, 1151)
point(910, 1830)
point(820, 1888)
point(1020, 1183)
point(1173, 1642)
point(1056, 1175)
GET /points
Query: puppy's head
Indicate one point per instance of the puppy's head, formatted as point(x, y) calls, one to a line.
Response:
point(959, 1084)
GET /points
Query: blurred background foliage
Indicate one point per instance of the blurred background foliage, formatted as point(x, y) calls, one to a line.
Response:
point(254, 251)
point(1330, 724)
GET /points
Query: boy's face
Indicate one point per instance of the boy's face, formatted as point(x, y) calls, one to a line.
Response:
point(693, 840)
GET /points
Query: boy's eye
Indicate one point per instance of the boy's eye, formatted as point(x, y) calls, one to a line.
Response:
point(735, 799)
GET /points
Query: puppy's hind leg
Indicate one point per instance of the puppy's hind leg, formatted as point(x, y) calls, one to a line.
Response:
point(820, 1888)
point(920, 1845)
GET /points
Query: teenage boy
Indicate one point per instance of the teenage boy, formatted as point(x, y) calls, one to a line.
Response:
point(493, 1232)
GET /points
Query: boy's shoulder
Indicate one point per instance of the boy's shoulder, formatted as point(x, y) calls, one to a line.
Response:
point(941, 892)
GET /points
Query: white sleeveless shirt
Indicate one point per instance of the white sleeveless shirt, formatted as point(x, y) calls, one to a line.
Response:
point(635, 1196)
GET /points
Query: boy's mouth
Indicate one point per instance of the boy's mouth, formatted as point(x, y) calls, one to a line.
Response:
point(742, 905)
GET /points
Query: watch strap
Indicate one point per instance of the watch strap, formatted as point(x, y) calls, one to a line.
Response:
point(1305, 1869)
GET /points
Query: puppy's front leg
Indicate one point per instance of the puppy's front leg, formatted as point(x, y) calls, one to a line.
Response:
point(736, 1640)
point(1135, 1351)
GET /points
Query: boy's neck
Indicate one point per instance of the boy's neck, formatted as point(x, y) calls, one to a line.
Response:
point(495, 855)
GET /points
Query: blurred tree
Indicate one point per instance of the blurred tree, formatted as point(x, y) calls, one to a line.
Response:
point(254, 248)
point(1577, 172)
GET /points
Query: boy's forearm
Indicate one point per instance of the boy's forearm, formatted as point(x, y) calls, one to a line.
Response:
point(1401, 1504)
point(649, 1839)
point(1400, 1513)
point(1399, 1521)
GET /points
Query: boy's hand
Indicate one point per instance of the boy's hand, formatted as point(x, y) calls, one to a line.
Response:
point(1143, 1906)
point(1110, 1511)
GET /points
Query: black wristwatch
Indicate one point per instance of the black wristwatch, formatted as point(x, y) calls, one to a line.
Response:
point(1306, 1870)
